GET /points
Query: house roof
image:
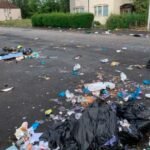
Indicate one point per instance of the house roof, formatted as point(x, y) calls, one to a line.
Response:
point(6, 5)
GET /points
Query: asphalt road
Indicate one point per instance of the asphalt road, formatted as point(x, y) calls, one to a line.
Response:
point(32, 94)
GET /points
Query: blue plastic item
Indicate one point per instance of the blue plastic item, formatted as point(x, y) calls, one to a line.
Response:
point(122, 94)
point(86, 90)
point(75, 72)
point(13, 147)
point(135, 94)
point(146, 82)
point(11, 55)
point(62, 94)
point(35, 125)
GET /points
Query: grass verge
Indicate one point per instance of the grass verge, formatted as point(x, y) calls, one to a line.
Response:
point(16, 23)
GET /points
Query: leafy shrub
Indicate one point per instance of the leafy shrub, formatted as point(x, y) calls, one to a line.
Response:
point(63, 20)
point(126, 21)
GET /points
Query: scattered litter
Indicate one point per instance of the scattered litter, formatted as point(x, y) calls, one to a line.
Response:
point(26, 51)
point(35, 125)
point(104, 60)
point(118, 51)
point(48, 112)
point(70, 112)
point(123, 76)
point(139, 66)
point(78, 116)
point(22, 131)
point(45, 77)
point(19, 58)
point(7, 89)
point(92, 120)
point(130, 67)
point(96, 32)
point(11, 56)
point(107, 32)
point(147, 95)
point(146, 82)
point(97, 86)
point(43, 62)
point(36, 38)
point(126, 96)
point(9, 50)
point(77, 57)
point(27, 138)
point(62, 94)
point(124, 48)
point(35, 55)
point(77, 67)
point(24, 118)
point(137, 35)
point(104, 48)
point(13, 147)
point(114, 63)
point(88, 100)
point(68, 94)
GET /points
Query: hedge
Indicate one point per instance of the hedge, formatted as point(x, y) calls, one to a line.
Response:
point(126, 21)
point(63, 20)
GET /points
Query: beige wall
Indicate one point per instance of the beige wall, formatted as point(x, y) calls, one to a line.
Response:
point(72, 5)
point(114, 7)
point(8, 14)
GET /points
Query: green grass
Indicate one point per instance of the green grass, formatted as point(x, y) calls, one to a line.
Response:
point(16, 23)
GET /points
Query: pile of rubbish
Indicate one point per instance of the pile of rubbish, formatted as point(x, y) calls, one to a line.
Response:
point(104, 114)
point(102, 125)
point(17, 53)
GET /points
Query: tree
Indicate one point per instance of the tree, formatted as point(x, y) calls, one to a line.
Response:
point(23, 5)
point(30, 7)
point(50, 6)
point(141, 6)
point(34, 6)
point(64, 5)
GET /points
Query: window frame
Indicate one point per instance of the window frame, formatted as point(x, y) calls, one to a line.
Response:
point(79, 9)
point(97, 10)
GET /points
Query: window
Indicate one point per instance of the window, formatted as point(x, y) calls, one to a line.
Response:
point(101, 10)
point(79, 9)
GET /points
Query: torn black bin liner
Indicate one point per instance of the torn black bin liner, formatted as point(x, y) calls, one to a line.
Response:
point(137, 114)
point(98, 128)
point(148, 65)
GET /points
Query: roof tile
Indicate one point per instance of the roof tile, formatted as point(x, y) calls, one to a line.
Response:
point(6, 5)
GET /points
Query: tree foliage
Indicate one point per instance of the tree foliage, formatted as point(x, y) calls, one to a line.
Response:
point(30, 7)
point(141, 6)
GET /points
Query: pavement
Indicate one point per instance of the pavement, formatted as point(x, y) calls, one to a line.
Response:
point(32, 94)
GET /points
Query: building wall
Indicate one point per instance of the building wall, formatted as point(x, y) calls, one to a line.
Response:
point(72, 5)
point(113, 7)
point(116, 6)
point(10, 14)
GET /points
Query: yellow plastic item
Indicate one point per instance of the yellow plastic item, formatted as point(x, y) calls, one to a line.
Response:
point(48, 112)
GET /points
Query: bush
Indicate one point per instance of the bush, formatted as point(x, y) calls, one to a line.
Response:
point(126, 21)
point(63, 20)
